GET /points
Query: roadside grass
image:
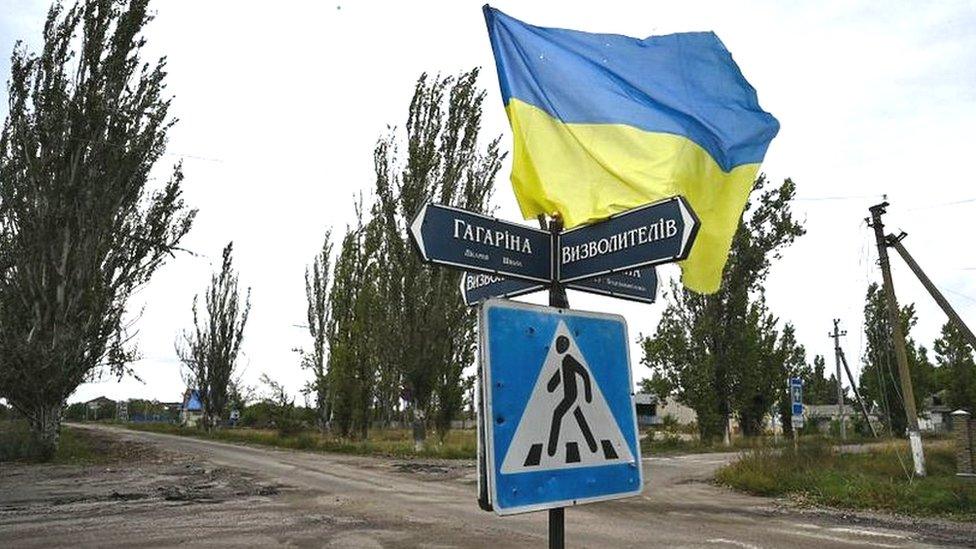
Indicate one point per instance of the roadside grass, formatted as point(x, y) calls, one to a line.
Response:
point(667, 443)
point(75, 448)
point(877, 479)
point(458, 444)
point(676, 445)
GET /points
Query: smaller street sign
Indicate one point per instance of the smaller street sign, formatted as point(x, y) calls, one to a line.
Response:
point(796, 396)
point(458, 238)
point(637, 285)
point(661, 232)
point(476, 287)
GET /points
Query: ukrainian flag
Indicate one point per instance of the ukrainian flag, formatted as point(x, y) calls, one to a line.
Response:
point(603, 123)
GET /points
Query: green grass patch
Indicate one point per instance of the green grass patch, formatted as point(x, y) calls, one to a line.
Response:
point(458, 444)
point(877, 479)
point(671, 443)
point(75, 447)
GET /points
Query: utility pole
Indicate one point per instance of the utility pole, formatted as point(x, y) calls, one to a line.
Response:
point(840, 385)
point(857, 395)
point(895, 242)
point(898, 339)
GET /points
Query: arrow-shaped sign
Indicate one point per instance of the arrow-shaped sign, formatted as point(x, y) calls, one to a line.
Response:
point(476, 287)
point(661, 232)
point(637, 285)
point(454, 237)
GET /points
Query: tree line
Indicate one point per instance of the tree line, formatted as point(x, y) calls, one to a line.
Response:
point(727, 355)
point(391, 336)
point(83, 227)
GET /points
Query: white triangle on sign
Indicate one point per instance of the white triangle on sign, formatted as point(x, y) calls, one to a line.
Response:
point(587, 433)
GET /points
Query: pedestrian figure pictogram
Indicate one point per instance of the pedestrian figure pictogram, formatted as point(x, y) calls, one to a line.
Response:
point(570, 368)
point(567, 422)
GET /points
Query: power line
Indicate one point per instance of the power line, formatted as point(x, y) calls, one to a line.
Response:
point(848, 197)
point(964, 296)
point(944, 204)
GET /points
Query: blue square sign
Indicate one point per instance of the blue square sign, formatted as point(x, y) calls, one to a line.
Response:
point(559, 416)
point(796, 395)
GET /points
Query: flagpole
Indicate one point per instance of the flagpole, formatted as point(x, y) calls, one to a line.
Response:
point(557, 298)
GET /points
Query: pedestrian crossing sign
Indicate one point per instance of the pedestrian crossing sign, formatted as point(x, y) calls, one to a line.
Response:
point(559, 420)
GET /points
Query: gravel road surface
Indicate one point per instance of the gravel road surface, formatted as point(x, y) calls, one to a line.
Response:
point(197, 492)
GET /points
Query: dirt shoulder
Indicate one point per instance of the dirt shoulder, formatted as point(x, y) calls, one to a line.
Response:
point(141, 494)
point(164, 490)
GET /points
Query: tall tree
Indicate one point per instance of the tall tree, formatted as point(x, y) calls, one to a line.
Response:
point(318, 315)
point(791, 358)
point(816, 388)
point(209, 352)
point(957, 368)
point(880, 382)
point(355, 338)
point(445, 162)
point(706, 345)
point(81, 227)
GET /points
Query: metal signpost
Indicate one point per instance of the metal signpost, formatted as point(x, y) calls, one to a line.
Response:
point(557, 424)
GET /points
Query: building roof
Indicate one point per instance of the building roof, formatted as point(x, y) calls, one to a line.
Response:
point(645, 398)
point(830, 410)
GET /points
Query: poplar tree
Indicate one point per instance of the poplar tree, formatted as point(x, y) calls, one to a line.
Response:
point(81, 226)
point(355, 333)
point(716, 350)
point(817, 389)
point(957, 368)
point(318, 315)
point(879, 381)
point(432, 332)
point(209, 351)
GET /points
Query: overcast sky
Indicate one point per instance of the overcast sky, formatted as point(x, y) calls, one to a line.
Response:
point(280, 105)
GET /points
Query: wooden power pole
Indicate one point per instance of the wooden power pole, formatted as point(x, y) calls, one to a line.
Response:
point(837, 333)
point(898, 340)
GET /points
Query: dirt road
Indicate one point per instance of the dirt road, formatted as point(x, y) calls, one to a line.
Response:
point(260, 496)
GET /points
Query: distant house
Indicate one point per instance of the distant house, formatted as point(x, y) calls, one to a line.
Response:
point(191, 410)
point(652, 411)
point(822, 415)
point(935, 415)
point(646, 407)
point(99, 408)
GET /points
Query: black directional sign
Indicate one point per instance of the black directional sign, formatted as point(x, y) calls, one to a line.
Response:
point(657, 233)
point(449, 236)
point(637, 285)
point(476, 287)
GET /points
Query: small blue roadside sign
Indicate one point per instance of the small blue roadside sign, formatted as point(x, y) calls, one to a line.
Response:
point(796, 399)
point(559, 415)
